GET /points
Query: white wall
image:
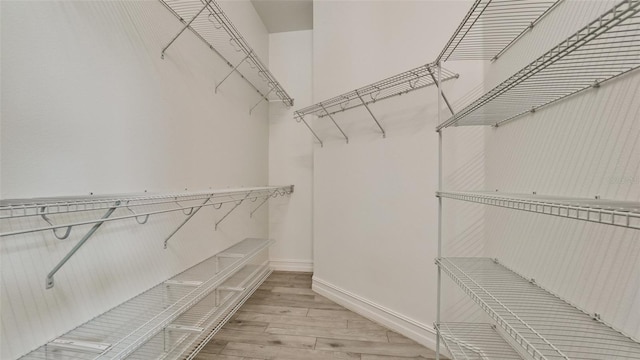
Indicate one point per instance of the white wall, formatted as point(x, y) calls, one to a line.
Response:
point(291, 153)
point(584, 146)
point(375, 211)
point(89, 106)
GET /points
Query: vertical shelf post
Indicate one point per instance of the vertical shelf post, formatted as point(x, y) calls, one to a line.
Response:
point(439, 290)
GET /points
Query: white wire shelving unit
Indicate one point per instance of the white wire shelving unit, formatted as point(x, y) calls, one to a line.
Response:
point(174, 319)
point(533, 323)
point(95, 211)
point(543, 325)
point(403, 83)
point(490, 27)
point(605, 49)
point(210, 24)
point(476, 341)
point(610, 212)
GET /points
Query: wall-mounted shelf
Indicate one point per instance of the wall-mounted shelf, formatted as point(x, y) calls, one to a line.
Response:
point(399, 84)
point(477, 341)
point(492, 26)
point(98, 210)
point(603, 50)
point(210, 24)
point(610, 212)
point(174, 319)
point(542, 324)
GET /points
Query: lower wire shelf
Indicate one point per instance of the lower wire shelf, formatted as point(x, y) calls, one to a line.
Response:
point(541, 324)
point(172, 320)
point(475, 341)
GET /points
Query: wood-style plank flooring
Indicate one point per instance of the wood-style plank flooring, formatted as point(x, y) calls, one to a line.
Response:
point(285, 319)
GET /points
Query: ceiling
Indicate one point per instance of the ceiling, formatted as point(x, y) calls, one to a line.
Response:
point(285, 15)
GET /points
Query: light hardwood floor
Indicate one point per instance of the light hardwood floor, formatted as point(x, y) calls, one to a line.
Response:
point(285, 319)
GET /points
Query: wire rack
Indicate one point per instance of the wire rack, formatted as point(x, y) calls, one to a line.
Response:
point(208, 22)
point(603, 50)
point(405, 82)
point(492, 26)
point(542, 324)
point(475, 341)
point(610, 212)
point(168, 311)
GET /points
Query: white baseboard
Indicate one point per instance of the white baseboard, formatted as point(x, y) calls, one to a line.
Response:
point(292, 265)
point(414, 330)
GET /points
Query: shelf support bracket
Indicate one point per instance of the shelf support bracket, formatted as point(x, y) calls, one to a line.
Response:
point(334, 122)
point(235, 68)
point(446, 101)
point(193, 212)
point(186, 26)
point(233, 208)
point(262, 203)
point(263, 98)
point(96, 226)
point(301, 118)
point(384, 134)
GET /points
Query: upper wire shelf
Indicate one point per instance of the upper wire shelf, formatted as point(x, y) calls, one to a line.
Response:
point(138, 207)
point(540, 323)
point(206, 19)
point(609, 212)
point(475, 341)
point(492, 26)
point(405, 82)
point(172, 311)
point(604, 49)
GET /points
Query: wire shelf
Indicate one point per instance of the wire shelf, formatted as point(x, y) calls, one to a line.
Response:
point(405, 82)
point(125, 329)
point(609, 212)
point(208, 22)
point(606, 48)
point(475, 341)
point(542, 324)
point(492, 26)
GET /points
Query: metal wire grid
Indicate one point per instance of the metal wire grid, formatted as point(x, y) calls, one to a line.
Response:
point(130, 325)
point(475, 341)
point(605, 49)
point(216, 29)
point(48, 206)
point(610, 212)
point(402, 83)
point(545, 326)
point(210, 315)
point(492, 26)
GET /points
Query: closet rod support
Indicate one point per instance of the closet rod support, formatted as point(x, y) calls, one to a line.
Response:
point(235, 68)
point(334, 122)
point(96, 226)
point(193, 212)
point(301, 118)
point(261, 99)
point(446, 101)
point(186, 26)
point(384, 134)
point(262, 203)
point(233, 208)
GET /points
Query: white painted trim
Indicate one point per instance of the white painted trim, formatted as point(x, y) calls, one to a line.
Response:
point(414, 330)
point(292, 265)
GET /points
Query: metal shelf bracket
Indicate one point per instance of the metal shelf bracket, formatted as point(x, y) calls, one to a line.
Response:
point(300, 118)
point(335, 123)
point(186, 26)
point(238, 203)
point(189, 216)
point(235, 68)
point(96, 226)
point(384, 134)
